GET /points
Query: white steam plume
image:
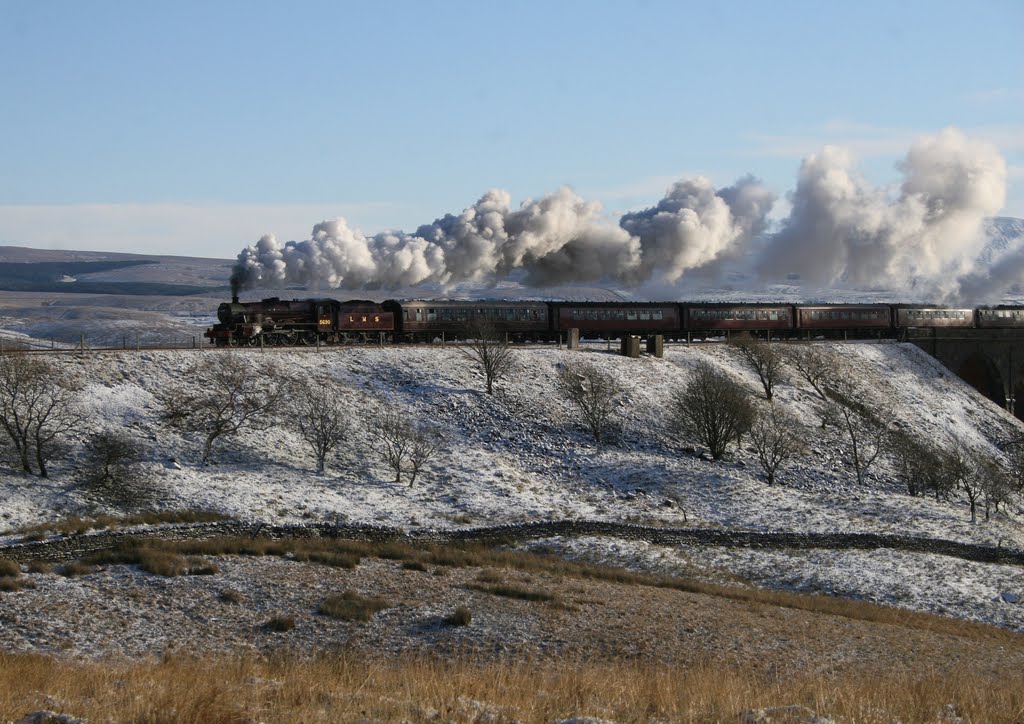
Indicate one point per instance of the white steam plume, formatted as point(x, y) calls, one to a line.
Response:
point(925, 236)
point(557, 239)
point(842, 229)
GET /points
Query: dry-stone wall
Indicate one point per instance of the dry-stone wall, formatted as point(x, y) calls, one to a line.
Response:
point(70, 547)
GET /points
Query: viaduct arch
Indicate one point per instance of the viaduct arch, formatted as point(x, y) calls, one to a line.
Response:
point(991, 361)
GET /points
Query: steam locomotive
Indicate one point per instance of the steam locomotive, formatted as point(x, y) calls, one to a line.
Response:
point(277, 322)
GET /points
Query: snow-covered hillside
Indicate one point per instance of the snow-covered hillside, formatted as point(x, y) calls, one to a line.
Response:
point(523, 455)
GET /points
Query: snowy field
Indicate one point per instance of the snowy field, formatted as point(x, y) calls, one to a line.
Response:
point(524, 455)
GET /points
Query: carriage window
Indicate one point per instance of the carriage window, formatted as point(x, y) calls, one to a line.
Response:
point(631, 316)
point(656, 314)
point(645, 315)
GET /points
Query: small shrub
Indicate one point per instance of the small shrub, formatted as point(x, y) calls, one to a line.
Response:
point(9, 568)
point(114, 474)
point(230, 595)
point(75, 568)
point(462, 616)
point(280, 623)
point(413, 566)
point(350, 606)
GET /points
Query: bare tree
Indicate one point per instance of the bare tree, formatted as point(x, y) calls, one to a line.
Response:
point(426, 443)
point(915, 461)
point(996, 483)
point(1014, 451)
point(488, 347)
point(764, 358)
point(775, 439)
point(37, 408)
point(963, 466)
point(393, 432)
point(114, 474)
point(222, 395)
point(404, 445)
point(817, 367)
point(321, 416)
point(867, 423)
point(713, 408)
point(591, 391)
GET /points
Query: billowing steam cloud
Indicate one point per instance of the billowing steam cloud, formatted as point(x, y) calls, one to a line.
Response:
point(840, 229)
point(843, 229)
point(557, 239)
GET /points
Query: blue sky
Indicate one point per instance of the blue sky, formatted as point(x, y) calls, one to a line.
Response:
point(193, 128)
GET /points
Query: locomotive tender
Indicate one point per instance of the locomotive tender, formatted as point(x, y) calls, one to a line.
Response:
point(278, 322)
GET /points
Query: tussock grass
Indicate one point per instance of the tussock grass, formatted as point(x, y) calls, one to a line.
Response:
point(351, 606)
point(9, 584)
point(279, 623)
point(156, 560)
point(74, 569)
point(461, 616)
point(9, 568)
point(230, 595)
point(74, 525)
point(39, 567)
point(508, 590)
point(346, 688)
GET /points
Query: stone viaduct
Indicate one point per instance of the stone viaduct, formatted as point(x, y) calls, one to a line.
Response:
point(992, 360)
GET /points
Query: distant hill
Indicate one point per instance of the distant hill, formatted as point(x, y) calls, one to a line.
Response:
point(88, 272)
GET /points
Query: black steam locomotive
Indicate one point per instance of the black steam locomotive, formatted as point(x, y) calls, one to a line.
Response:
point(278, 322)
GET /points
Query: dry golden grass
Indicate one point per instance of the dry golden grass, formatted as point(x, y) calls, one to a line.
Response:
point(342, 689)
point(347, 554)
point(77, 525)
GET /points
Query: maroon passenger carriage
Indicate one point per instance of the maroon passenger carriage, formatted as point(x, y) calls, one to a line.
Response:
point(614, 319)
point(441, 319)
point(909, 317)
point(845, 318)
point(717, 318)
point(1001, 316)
